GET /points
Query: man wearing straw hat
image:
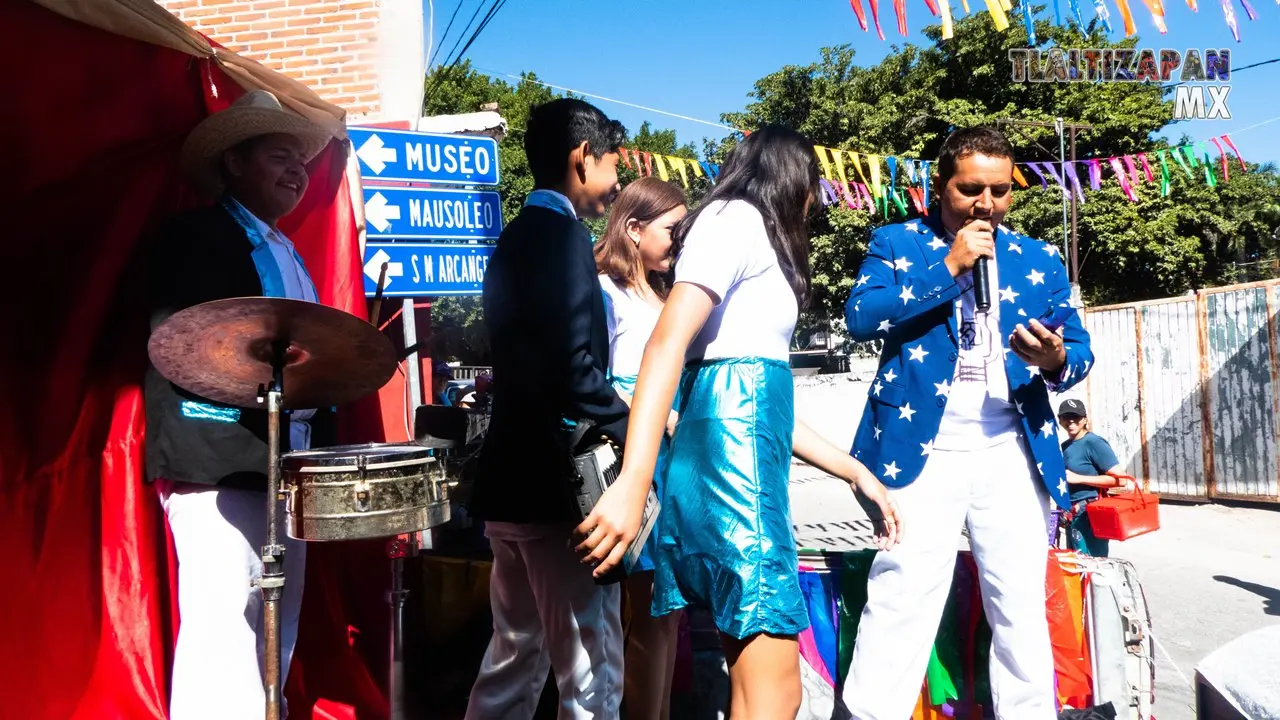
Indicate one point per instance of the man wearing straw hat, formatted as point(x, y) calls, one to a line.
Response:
point(208, 461)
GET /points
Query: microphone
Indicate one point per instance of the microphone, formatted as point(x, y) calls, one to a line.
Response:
point(981, 285)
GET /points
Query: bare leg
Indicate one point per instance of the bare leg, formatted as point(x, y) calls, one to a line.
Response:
point(764, 676)
point(650, 654)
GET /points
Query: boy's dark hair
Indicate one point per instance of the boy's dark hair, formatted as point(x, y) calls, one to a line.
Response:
point(970, 141)
point(554, 129)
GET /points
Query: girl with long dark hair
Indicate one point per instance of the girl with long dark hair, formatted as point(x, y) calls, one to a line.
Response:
point(724, 537)
point(634, 261)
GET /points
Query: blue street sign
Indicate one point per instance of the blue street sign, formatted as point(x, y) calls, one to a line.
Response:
point(425, 157)
point(432, 214)
point(425, 269)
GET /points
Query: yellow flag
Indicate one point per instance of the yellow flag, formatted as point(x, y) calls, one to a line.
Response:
point(662, 167)
point(874, 161)
point(678, 164)
point(695, 167)
point(997, 14)
point(838, 156)
point(857, 165)
point(821, 152)
point(945, 7)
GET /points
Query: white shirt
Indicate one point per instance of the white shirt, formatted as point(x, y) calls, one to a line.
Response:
point(297, 286)
point(631, 322)
point(727, 252)
point(979, 411)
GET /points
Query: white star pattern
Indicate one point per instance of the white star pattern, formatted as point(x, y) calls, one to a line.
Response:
point(888, 263)
point(1062, 486)
point(857, 307)
point(863, 280)
point(1040, 468)
point(917, 353)
point(1086, 365)
point(936, 243)
point(890, 375)
point(885, 326)
point(902, 264)
point(891, 470)
point(876, 430)
point(926, 448)
point(1019, 406)
point(1022, 312)
point(905, 412)
point(913, 227)
point(1036, 277)
point(1032, 371)
point(1007, 294)
point(907, 295)
point(1047, 428)
point(1015, 247)
point(876, 387)
point(1051, 249)
point(943, 388)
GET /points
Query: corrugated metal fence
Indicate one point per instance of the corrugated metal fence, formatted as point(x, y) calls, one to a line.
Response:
point(1187, 391)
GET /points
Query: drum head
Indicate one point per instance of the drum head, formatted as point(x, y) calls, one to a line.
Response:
point(346, 455)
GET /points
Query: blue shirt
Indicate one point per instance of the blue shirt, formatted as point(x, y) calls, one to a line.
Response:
point(1090, 455)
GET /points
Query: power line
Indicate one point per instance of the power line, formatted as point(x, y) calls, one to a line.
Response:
point(445, 36)
point(493, 73)
point(451, 60)
point(1233, 70)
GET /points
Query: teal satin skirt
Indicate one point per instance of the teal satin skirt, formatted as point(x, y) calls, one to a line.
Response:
point(724, 536)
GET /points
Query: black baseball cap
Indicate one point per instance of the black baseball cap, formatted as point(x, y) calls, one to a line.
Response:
point(1072, 407)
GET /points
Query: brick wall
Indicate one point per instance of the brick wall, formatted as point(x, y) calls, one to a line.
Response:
point(330, 45)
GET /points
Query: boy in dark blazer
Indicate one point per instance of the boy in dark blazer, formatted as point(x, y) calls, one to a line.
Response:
point(547, 329)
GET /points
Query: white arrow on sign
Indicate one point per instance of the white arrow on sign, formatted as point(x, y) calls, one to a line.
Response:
point(375, 154)
point(373, 268)
point(380, 212)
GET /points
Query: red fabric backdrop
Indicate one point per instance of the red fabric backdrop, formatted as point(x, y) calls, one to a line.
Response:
point(92, 127)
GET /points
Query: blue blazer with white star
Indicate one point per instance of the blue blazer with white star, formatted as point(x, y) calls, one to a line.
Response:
point(905, 296)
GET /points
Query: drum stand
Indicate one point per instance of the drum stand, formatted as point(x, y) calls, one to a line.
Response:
point(398, 548)
point(272, 580)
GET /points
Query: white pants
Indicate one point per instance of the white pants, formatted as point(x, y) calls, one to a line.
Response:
point(547, 614)
point(996, 490)
point(220, 658)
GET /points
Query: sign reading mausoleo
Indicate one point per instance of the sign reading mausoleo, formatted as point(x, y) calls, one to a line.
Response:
point(1202, 77)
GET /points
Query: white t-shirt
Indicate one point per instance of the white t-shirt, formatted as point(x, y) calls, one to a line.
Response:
point(727, 252)
point(631, 322)
point(979, 411)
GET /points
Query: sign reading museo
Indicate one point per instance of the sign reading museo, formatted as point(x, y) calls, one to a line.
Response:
point(1201, 100)
point(407, 156)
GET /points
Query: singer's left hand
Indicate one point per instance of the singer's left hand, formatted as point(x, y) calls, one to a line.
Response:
point(1038, 346)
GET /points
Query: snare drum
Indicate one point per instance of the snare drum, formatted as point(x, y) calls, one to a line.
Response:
point(354, 492)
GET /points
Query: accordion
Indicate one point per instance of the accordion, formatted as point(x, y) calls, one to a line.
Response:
point(596, 465)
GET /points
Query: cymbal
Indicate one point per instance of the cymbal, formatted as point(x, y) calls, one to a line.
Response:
point(222, 350)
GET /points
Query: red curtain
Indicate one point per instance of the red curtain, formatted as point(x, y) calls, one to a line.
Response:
point(92, 127)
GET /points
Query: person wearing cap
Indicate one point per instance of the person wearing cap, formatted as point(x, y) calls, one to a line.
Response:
point(1092, 466)
point(208, 461)
point(441, 374)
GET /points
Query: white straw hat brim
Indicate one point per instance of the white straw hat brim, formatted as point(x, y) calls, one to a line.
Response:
point(203, 149)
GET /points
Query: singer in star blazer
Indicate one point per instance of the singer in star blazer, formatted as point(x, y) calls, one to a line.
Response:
point(905, 296)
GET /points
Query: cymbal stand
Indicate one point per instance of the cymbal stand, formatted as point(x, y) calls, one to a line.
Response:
point(272, 580)
point(398, 548)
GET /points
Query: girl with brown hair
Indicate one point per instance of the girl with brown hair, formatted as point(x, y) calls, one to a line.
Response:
point(634, 261)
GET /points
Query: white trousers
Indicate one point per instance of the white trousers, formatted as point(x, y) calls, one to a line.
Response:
point(997, 492)
point(220, 658)
point(547, 614)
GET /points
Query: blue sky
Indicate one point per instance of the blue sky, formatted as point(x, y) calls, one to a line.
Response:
point(699, 58)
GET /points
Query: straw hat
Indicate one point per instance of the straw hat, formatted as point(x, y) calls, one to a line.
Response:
point(254, 114)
